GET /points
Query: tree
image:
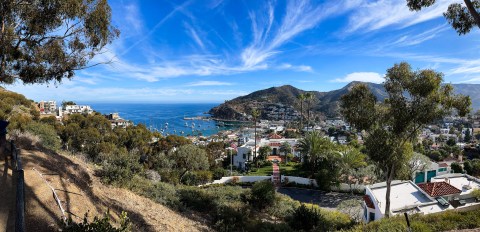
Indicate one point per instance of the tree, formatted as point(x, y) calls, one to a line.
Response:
point(43, 41)
point(285, 148)
point(315, 149)
point(451, 142)
point(461, 17)
point(468, 136)
point(415, 99)
point(456, 167)
point(189, 158)
point(309, 98)
point(351, 160)
point(301, 97)
point(264, 152)
point(418, 163)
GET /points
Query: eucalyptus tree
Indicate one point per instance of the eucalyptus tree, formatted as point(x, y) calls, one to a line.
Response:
point(462, 17)
point(415, 99)
point(43, 41)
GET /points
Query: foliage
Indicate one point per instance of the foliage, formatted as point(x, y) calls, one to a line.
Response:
point(98, 224)
point(445, 221)
point(461, 17)
point(49, 40)
point(263, 194)
point(456, 167)
point(120, 168)
point(47, 134)
point(197, 178)
point(264, 151)
point(352, 208)
point(312, 218)
point(415, 99)
point(472, 167)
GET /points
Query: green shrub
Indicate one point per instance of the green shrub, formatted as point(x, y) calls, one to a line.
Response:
point(228, 218)
point(196, 199)
point(304, 219)
point(47, 134)
point(120, 169)
point(218, 173)
point(98, 224)
point(263, 194)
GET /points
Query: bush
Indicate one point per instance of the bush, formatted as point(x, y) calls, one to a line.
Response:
point(263, 194)
point(304, 219)
point(218, 173)
point(98, 224)
point(47, 134)
point(230, 219)
point(120, 169)
point(196, 199)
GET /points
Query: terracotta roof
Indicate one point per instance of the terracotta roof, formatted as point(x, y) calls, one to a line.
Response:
point(436, 189)
point(443, 165)
point(368, 201)
point(275, 136)
point(275, 144)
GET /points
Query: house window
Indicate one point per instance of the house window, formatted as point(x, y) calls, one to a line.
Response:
point(371, 217)
point(244, 156)
point(442, 169)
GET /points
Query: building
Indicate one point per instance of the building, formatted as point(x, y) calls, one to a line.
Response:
point(47, 107)
point(450, 191)
point(433, 170)
point(245, 153)
point(77, 109)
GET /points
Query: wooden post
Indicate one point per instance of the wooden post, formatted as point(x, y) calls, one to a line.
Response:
point(3, 137)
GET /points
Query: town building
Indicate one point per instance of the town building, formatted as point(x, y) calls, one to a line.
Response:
point(77, 109)
point(47, 107)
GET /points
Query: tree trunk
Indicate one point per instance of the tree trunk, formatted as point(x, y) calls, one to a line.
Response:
point(301, 115)
point(473, 12)
point(387, 195)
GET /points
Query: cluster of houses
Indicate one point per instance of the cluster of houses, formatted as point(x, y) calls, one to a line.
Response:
point(49, 108)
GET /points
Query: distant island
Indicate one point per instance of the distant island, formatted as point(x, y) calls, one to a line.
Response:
point(282, 102)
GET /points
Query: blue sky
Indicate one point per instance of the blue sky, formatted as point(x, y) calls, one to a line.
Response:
point(215, 50)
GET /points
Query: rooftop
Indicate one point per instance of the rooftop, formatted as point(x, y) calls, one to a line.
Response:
point(436, 189)
point(404, 194)
point(463, 182)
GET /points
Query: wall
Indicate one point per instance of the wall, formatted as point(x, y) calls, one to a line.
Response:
point(300, 180)
point(228, 179)
point(346, 188)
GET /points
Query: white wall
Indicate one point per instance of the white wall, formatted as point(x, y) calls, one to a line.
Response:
point(228, 179)
point(300, 180)
point(346, 188)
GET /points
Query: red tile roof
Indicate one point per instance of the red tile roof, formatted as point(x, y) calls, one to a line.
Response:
point(368, 201)
point(436, 189)
point(275, 136)
point(443, 165)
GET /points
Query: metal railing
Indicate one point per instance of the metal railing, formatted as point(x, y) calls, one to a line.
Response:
point(20, 191)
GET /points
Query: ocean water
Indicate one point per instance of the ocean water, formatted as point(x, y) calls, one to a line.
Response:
point(166, 118)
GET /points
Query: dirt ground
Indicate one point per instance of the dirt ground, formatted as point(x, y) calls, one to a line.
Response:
point(81, 192)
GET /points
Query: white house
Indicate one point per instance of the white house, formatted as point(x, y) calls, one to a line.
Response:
point(450, 191)
point(77, 109)
point(435, 169)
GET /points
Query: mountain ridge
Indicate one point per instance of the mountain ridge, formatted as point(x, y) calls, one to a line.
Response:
point(323, 104)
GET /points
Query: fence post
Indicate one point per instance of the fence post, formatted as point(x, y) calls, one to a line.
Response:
point(20, 203)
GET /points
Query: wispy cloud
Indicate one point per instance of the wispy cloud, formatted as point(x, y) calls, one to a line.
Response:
point(209, 83)
point(361, 76)
point(374, 15)
point(298, 68)
point(414, 39)
point(194, 35)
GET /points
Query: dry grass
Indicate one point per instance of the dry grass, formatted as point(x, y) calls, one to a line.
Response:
point(81, 192)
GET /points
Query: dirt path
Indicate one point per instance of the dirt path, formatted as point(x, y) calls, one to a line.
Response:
point(81, 192)
point(276, 175)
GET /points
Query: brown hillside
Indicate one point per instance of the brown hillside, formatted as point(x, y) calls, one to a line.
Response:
point(80, 192)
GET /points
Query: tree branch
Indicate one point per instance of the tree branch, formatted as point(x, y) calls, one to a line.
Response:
point(473, 11)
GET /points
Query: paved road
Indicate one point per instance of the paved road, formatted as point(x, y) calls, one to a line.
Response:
point(329, 200)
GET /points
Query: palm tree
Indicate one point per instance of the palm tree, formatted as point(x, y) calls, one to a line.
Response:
point(301, 97)
point(255, 115)
point(308, 97)
point(286, 148)
point(315, 149)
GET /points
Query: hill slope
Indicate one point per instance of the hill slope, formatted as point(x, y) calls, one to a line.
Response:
point(324, 103)
point(81, 191)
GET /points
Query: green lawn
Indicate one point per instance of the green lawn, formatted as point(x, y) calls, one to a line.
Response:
point(294, 170)
point(263, 171)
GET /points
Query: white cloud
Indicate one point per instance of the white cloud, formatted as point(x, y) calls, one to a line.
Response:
point(209, 83)
point(298, 68)
point(414, 39)
point(374, 15)
point(193, 33)
point(362, 76)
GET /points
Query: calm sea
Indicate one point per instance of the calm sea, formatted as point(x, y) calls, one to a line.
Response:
point(166, 118)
